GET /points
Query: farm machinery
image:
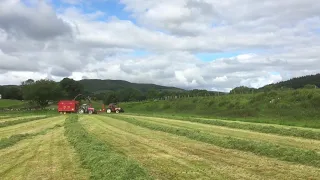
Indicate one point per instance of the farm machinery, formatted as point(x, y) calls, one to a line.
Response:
point(73, 106)
point(113, 108)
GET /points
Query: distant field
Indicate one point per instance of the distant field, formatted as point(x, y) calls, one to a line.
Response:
point(128, 146)
point(7, 103)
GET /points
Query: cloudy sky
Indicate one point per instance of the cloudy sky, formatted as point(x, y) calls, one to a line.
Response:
point(206, 44)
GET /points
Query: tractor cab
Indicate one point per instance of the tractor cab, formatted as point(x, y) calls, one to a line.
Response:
point(112, 107)
point(86, 109)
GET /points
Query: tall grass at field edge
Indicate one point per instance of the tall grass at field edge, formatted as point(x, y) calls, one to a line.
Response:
point(293, 107)
point(95, 155)
point(290, 154)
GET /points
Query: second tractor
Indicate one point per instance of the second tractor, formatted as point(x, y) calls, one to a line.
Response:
point(113, 108)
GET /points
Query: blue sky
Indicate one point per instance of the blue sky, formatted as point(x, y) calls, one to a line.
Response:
point(213, 56)
point(109, 7)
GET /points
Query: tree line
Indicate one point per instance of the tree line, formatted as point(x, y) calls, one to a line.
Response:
point(131, 94)
point(41, 92)
point(248, 90)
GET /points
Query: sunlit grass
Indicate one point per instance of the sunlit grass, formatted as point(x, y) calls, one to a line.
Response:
point(102, 161)
point(307, 157)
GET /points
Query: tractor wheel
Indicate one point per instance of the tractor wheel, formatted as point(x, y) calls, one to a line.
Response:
point(117, 111)
point(108, 111)
point(81, 111)
point(90, 112)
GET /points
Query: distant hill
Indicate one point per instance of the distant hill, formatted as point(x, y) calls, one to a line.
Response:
point(296, 83)
point(98, 85)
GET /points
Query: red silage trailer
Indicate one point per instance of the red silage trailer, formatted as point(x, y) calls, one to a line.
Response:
point(73, 106)
point(68, 106)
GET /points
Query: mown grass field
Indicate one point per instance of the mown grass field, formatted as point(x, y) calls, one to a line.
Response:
point(132, 146)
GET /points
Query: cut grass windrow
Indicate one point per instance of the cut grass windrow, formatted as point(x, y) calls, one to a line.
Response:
point(292, 131)
point(95, 155)
point(5, 116)
point(47, 156)
point(12, 140)
point(306, 157)
point(24, 120)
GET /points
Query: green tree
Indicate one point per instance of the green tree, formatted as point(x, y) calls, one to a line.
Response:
point(242, 90)
point(152, 94)
point(11, 92)
point(111, 97)
point(129, 94)
point(27, 82)
point(41, 92)
point(71, 88)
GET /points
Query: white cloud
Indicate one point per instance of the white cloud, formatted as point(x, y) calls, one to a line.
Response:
point(37, 22)
point(274, 36)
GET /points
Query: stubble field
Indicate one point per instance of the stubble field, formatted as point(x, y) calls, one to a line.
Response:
point(128, 146)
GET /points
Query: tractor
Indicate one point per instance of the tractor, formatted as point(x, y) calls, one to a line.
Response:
point(112, 107)
point(73, 106)
point(86, 109)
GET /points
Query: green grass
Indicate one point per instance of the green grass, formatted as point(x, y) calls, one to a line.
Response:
point(270, 129)
point(3, 118)
point(8, 103)
point(98, 157)
point(29, 112)
point(12, 140)
point(45, 156)
point(24, 120)
point(111, 146)
point(293, 107)
point(290, 154)
point(168, 156)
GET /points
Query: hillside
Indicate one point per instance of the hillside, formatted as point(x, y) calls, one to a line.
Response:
point(98, 85)
point(299, 106)
point(296, 83)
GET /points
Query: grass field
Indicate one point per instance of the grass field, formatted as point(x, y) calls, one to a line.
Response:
point(130, 146)
point(7, 103)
